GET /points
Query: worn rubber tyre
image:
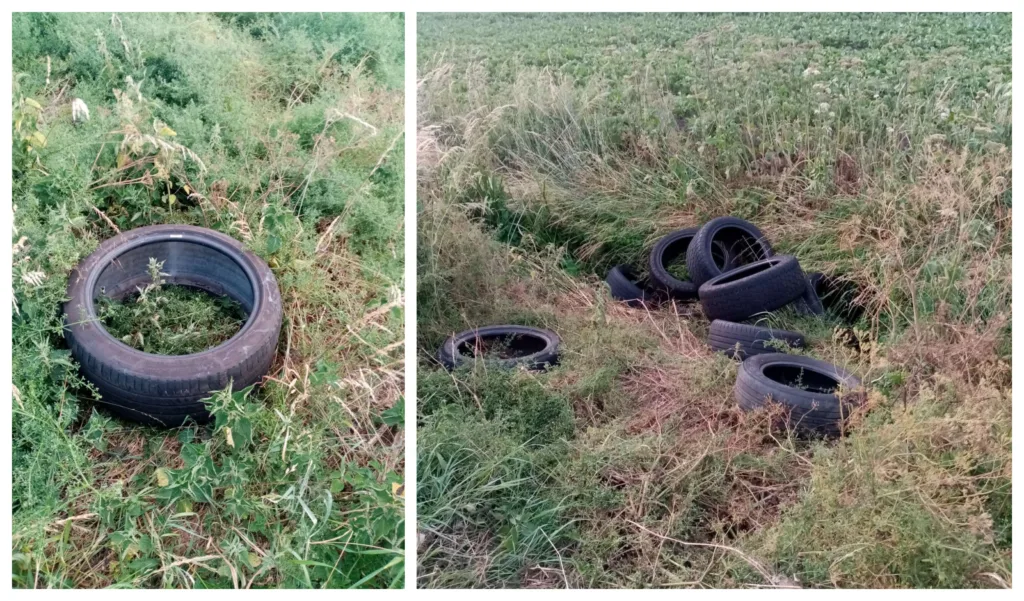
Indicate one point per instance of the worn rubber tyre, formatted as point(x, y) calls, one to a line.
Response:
point(626, 286)
point(814, 405)
point(740, 239)
point(168, 390)
point(740, 340)
point(754, 288)
point(810, 302)
point(666, 250)
point(535, 348)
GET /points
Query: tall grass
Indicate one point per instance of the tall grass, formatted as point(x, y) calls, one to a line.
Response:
point(280, 130)
point(873, 147)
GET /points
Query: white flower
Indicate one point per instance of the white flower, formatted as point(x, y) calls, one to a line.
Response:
point(811, 71)
point(33, 278)
point(822, 108)
point(79, 111)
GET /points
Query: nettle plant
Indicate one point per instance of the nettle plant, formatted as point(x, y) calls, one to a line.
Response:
point(29, 140)
point(233, 412)
point(148, 154)
point(258, 490)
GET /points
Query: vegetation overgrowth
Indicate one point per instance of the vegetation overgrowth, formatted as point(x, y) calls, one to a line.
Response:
point(284, 131)
point(873, 147)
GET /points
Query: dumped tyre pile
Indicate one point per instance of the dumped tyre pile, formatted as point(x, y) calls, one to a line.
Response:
point(732, 270)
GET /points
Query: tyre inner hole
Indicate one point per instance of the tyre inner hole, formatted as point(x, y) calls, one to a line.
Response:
point(745, 271)
point(739, 245)
point(802, 378)
point(201, 297)
point(674, 258)
point(502, 346)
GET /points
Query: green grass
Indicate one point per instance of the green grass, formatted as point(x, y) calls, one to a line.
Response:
point(285, 132)
point(166, 319)
point(873, 147)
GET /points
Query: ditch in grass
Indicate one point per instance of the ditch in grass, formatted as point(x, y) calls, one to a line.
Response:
point(511, 346)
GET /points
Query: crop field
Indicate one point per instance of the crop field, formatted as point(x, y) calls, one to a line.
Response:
point(284, 132)
point(872, 147)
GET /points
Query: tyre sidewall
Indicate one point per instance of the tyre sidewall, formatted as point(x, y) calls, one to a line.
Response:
point(622, 285)
point(700, 260)
point(778, 285)
point(823, 409)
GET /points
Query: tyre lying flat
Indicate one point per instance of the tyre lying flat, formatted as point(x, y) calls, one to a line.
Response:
point(532, 348)
point(754, 288)
point(809, 389)
point(168, 390)
point(740, 340)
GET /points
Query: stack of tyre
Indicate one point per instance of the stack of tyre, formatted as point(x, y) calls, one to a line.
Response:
point(735, 274)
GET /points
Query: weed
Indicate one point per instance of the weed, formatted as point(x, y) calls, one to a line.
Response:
point(171, 320)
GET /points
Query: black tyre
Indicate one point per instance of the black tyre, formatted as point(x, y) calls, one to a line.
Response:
point(740, 340)
point(755, 288)
point(808, 388)
point(626, 286)
point(168, 390)
point(674, 247)
point(740, 240)
point(508, 347)
point(810, 303)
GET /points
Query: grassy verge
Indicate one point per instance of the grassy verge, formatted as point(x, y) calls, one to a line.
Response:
point(285, 132)
point(872, 147)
